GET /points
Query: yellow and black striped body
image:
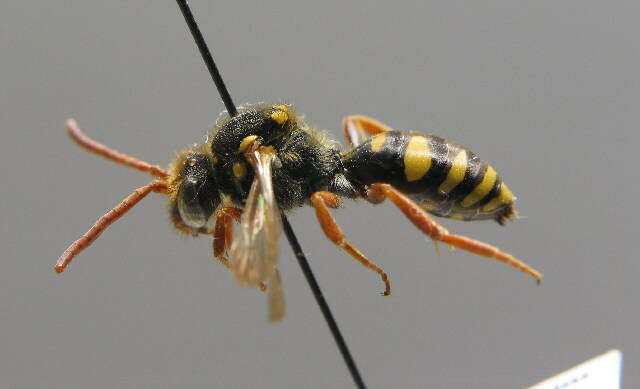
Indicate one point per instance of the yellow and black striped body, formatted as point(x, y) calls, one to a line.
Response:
point(444, 178)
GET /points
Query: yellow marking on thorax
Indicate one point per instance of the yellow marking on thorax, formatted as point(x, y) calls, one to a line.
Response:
point(246, 142)
point(456, 173)
point(239, 169)
point(377, 142)
point(280, 116)
point(482, 189)
point(417, 158)
point(504, 197)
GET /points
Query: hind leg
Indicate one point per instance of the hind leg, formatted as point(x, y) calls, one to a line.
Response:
point(358, 128)
point(321, 202)
point(422, 220)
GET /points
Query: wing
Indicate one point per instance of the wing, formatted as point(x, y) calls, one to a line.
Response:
point(254, 254)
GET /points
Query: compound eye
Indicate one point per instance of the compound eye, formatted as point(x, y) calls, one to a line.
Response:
point(197, 199)
point(193, 211)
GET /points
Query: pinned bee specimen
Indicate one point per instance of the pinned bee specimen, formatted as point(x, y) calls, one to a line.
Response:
point(266, 159)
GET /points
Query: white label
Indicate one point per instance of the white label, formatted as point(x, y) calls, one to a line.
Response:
point(601, 372)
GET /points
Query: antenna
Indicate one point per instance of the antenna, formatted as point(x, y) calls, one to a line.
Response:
point(291, 237)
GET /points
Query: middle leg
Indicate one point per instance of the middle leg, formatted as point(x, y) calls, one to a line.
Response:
point(358, 128)
point(321, 201)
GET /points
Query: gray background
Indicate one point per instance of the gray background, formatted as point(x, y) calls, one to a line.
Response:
point(547, 91)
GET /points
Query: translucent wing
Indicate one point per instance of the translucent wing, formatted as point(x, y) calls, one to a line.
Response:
point(276, 298)
point(254, 254)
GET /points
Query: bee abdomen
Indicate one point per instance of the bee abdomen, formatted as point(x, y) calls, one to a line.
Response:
point(445, 178)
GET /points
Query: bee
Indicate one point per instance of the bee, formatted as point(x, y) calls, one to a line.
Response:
point(266, 159)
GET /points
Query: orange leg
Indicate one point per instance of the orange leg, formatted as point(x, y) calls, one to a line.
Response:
point(426, 224)
point(223, 235)
point(357, 128)
point(223, 232)
point(105, 221)
point(98, 148)
point(321, 201)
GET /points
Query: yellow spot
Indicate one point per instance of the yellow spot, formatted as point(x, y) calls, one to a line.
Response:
point(192, 163)
point(482, 189)
point(239, 169)
point(377, 142)
point(457, 216)
point(504, 197)
point(456, 173)
point(280, 116)
point(246, 142)
point(417, 158)
point(430, 206)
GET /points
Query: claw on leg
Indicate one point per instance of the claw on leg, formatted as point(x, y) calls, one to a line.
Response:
point(488, 251)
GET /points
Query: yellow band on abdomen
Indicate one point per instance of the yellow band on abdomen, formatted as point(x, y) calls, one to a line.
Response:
point(482, 189)
point(504, 197)
point(456, 173)
point(417, 158)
